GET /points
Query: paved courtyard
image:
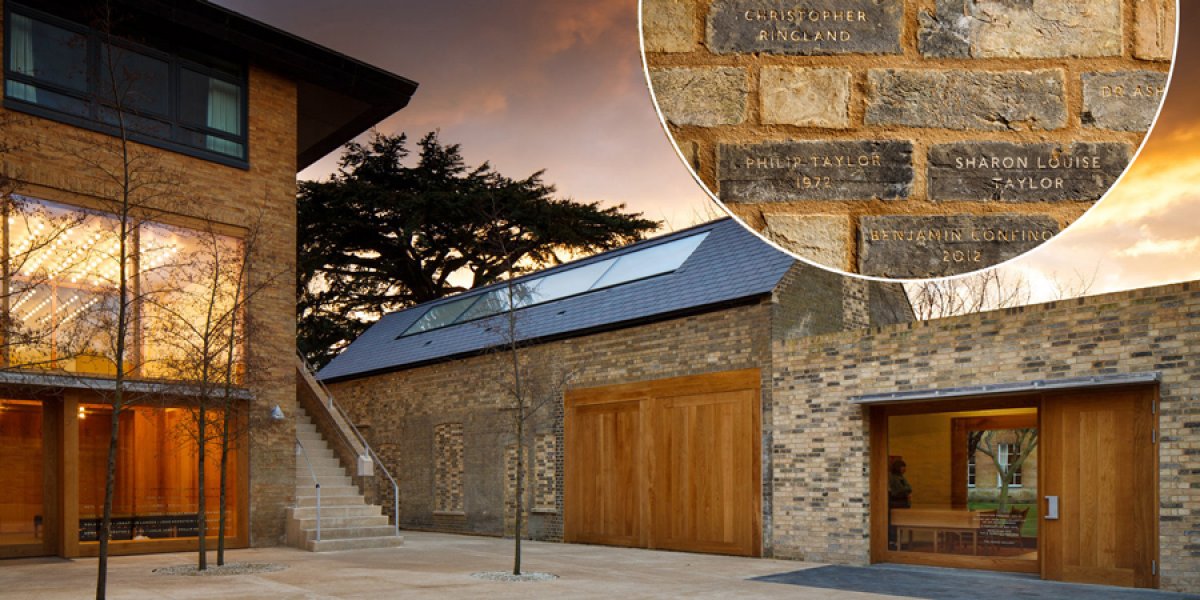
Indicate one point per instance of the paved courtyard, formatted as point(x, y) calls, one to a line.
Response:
point(429, 565)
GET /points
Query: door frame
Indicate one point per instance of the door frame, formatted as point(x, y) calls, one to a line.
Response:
point(877, 419)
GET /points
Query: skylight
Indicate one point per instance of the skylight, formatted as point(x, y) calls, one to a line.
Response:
point(639, 264)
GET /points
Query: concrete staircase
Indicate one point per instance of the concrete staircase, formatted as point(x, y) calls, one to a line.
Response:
point(347, 521)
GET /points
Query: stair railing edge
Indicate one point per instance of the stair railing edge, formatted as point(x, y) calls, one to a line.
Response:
point(336, 411)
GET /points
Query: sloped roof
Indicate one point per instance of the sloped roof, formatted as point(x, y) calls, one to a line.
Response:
point(729, 266)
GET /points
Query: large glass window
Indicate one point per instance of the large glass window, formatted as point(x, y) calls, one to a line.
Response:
point(644, 262)
point(61, 297)
point(964, 483)
point(157, 485)
point(68, 69)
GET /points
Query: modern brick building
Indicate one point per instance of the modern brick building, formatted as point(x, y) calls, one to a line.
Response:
point(220, 112)
point(687, 317)
point(734, 401)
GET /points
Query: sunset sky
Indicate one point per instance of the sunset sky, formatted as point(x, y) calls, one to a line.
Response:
point(557, 85)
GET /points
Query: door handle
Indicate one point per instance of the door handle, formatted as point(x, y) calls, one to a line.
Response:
point(1051, 507)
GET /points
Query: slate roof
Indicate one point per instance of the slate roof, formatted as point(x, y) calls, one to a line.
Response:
point(729, 266)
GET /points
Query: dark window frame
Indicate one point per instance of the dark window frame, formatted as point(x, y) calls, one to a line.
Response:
point(94, 101)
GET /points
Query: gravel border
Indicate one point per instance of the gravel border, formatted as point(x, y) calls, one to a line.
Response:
point(508, 576)
point(226, 569)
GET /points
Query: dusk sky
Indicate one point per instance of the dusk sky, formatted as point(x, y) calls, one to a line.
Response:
point(556, 85)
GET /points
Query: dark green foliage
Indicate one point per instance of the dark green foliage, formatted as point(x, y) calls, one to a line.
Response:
point(381, 235)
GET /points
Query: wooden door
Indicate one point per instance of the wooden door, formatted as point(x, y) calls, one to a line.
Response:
point(1099, 458)
point(605, 490)
point(704, 480)
point(671, 464)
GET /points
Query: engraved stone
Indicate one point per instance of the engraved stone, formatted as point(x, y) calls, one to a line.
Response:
point(935, 246)
point(1122, 100)
point(1017, 172)
point(669, 25)
point(982, 100)
point(823, 239)
point(813, 27)
point(805, 97)
point(1021, 29)
point(1154, 29)
point(825, 170)
point(702, 96)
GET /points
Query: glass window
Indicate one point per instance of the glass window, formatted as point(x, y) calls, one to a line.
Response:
point(140, 84)
point(441, 315)
point(163, 97)
point(938, 507)
point(157, 487)
point(645, 262)
point(654, 260)
point(569, 282)
point(51, 54)
point(62, 300)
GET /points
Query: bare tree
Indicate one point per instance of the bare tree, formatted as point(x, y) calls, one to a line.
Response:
point(1001, 445)
point(989, 289)
point(533, 380)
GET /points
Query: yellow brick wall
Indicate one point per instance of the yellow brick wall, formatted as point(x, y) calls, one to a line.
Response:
point(821, 451)
point(62, 163)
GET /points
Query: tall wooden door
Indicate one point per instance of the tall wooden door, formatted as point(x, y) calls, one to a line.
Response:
point(670, 464)
point(1099, 464)
point(604, 493)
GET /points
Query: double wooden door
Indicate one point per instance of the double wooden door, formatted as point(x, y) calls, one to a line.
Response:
point(672, 464)
point(1099, 470)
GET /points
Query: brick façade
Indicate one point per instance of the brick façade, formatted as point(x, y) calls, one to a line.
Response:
point(820, 457)
point(399, 411)
point(49, 160)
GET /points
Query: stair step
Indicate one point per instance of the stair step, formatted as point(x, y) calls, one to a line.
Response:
point(328, 522)
point(302, 469)
point(328, 545)
point(310, 501)
point(314, 437)
point(347, 533)
point(306, 427)
point(305, 484)
point(337, 510)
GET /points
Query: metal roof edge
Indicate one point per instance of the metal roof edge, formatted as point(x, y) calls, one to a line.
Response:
point(1009, 388)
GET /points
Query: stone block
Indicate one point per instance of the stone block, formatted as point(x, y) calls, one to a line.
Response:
point(1018, 172)
point(1154, 29)
point(706, 97)
point(805, 97)
point(955, 99)
point(1021, 29)
point(823, 239)
point(669, 25)
point(818, 170)
point(1122, 100)
point(936, 245)
point(817, 27)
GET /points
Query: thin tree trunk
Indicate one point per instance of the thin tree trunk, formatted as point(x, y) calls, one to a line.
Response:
point(202, 516)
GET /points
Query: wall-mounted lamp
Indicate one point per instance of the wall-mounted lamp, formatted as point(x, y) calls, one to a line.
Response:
point(277, 413)
point(82, 413)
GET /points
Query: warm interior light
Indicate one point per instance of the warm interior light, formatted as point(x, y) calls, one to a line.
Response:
point(82, 412)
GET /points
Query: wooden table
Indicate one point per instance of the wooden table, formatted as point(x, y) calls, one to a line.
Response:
point(939, 520)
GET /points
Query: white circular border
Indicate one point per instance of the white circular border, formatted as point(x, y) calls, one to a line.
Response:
point(666, 130)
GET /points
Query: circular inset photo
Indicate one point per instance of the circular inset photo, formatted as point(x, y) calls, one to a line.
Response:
point(908, 139)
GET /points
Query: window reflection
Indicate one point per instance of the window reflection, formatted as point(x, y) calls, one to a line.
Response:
point(61, 300)
point(964, 483)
